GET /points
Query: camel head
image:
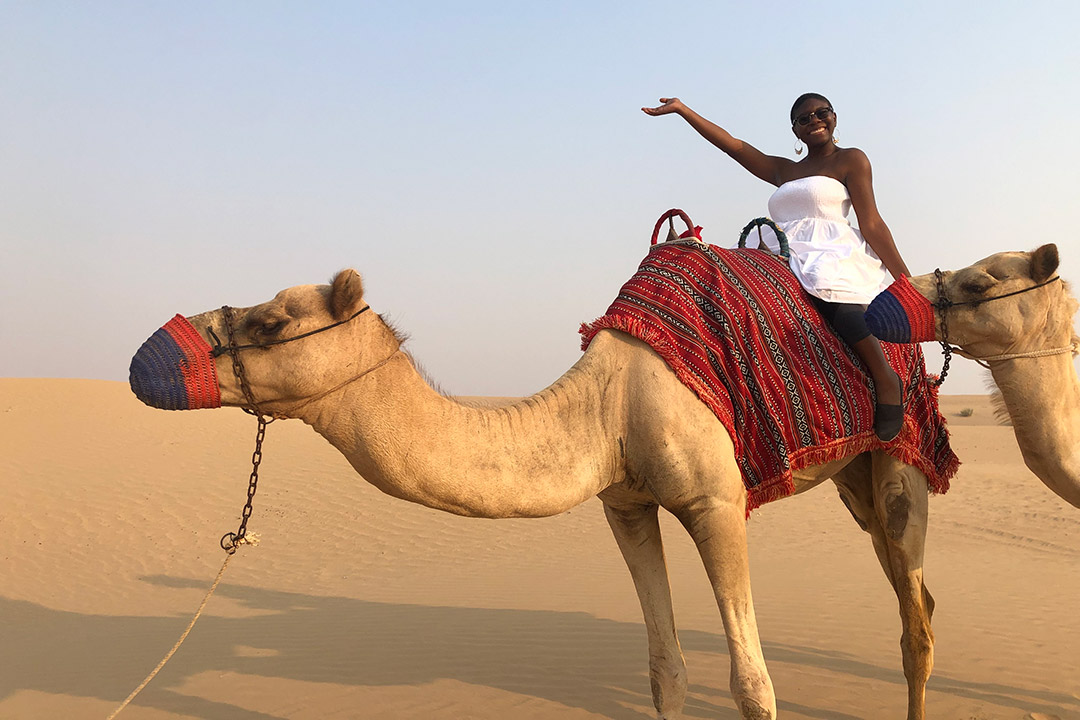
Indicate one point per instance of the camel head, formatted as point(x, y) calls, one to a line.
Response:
point(305, 341)
point(1014, 314)
point(999, 305)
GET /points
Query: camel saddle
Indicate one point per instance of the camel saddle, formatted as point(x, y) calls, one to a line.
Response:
point(737, 328)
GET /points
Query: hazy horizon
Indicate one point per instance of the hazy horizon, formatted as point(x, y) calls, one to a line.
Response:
point(485, 166)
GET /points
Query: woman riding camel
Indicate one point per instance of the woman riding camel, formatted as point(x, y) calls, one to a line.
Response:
point(842, 267)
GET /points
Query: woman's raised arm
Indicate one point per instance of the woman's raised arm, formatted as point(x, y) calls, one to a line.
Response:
point(766, 167)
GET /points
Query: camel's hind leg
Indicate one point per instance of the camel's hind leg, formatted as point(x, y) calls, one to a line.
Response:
point(889, 500)
point(637, 532)
point(718, 527)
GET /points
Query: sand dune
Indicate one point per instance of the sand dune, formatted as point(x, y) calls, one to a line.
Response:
point(356, 605)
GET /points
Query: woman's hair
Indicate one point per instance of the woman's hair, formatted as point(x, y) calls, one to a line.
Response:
point(803, 98)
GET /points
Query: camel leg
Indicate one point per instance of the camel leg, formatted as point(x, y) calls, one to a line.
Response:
point(637, 532)
point(718, 528)
point(889, 500)
point(685, 460)
point(857, 491)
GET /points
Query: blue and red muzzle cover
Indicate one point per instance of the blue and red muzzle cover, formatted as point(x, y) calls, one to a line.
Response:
point(900, 314)
point(173, 370)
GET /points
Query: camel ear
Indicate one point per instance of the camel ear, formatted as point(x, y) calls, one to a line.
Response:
point(1044, 261)
point(346, 294)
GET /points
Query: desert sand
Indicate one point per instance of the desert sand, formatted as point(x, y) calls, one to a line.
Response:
point(357, 605)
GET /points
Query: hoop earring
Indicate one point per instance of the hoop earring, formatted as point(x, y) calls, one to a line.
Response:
point(834, 140)
point(798, 147)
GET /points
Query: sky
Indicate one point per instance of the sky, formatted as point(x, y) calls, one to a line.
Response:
point(485, 166)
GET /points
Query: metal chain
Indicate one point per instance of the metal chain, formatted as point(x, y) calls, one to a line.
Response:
point(946, 350)
point(230, 541)
point(238, 364)
point(943, 303)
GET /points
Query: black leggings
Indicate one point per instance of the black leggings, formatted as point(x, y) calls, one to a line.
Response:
point(846, 318)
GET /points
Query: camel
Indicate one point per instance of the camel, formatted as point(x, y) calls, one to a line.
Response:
point(621, 426)
point(1028, 341)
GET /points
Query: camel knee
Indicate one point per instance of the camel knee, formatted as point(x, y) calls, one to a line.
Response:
point(917, 647)
point(897, 512)
point(900, 512)
point(899, 497)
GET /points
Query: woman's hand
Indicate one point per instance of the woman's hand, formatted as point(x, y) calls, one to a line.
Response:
point(763, 166)
point(671, 105)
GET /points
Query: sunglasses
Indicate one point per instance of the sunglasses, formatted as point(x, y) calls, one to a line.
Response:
point(820, 114)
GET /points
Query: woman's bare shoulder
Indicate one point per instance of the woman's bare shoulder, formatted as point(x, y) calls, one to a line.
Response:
point(853, 163)
point(854, 156)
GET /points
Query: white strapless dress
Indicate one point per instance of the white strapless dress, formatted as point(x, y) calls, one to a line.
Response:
point(828, 256)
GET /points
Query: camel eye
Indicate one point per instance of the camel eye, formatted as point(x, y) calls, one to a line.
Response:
point(977, 286)
point(270, 327)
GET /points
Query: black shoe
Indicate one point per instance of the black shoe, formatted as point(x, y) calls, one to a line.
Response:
point(889, 419)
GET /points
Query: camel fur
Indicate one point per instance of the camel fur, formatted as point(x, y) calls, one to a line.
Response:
point(1041, 393)
point(619, 425)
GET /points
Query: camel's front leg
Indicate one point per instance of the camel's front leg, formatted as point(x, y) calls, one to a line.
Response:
point(637, 532)
point(889, 501)
point(718, 527)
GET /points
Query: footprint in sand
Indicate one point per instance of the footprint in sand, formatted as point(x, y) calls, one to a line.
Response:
point(1041, 716)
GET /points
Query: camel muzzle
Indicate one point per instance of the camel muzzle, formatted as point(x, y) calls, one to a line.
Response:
point(174, 369)
point(900, 314)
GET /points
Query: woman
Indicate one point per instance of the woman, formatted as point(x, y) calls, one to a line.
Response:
point(841, 267)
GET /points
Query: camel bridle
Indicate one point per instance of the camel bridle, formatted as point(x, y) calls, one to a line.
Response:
point(230, 541)
point(218, 350)
point(943, 304)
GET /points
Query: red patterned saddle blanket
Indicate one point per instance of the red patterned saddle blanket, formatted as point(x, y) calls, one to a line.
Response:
point(739, 330)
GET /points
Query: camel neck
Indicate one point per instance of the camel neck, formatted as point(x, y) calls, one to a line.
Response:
point(1042, 396)
point(536, 457)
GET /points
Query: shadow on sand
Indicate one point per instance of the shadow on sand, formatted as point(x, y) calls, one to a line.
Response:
point(364, 644)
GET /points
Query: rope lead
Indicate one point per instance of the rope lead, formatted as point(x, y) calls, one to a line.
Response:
point(179, 642)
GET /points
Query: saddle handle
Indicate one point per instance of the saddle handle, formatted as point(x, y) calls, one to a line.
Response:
point(780, 236)
point(670, 216)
